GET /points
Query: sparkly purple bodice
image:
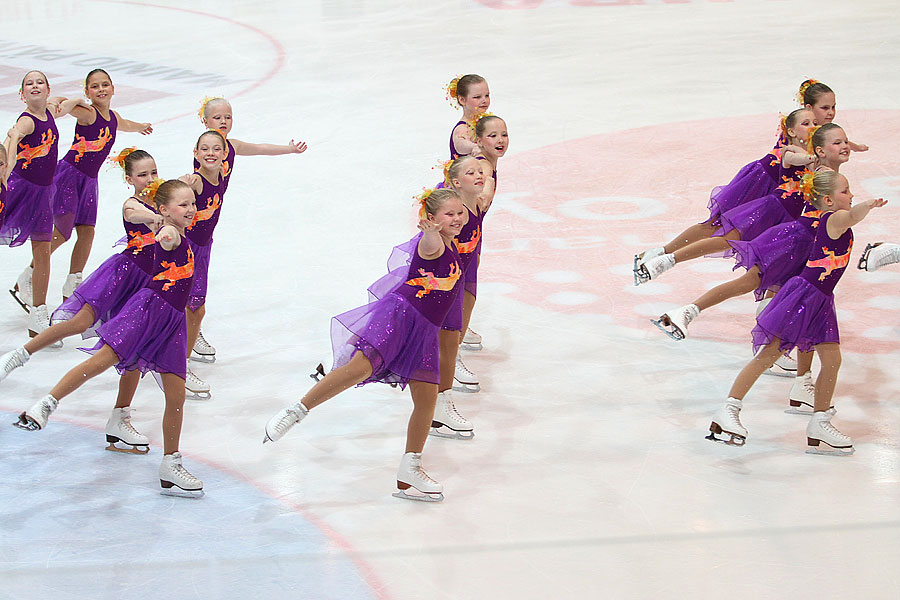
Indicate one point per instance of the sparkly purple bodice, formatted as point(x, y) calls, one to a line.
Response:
point(790, 195)
point(141, 245)
point(173, 274)
point(468, 242)
point(828, 258)
point(37, 152)
point(209, 203)
point(431, 285)
point(810, 217)
point(227, 164)
point(92, 144)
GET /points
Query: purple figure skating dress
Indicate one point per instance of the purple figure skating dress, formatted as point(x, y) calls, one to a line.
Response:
point(76, 191)
point(112, 285)
point(802, 313)
point(454, 153)
point(29, 213)
point(227, 164)
point(150, 332)
point(468, 245)
point(2, 204)
point(200, 235)
point(399, 332)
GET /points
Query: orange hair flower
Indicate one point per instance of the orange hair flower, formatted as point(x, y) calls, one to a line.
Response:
point(803, 87)
point(444, 165)
point(149, 192)
point(807, 186)
point(810, 149)
point(206, 100)
point(422, 200)
point(474, 122)
point(119, 159)
point(450, 90)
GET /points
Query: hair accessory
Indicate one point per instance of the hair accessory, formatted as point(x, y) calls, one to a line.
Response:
point(444, 165)
point(206, 100)
point(423, 199)
point(450, 90)
point(802, 91)
point(810, 149)
point(119, 159)
point(149, 192)
point(474, 122)
point(807, 186)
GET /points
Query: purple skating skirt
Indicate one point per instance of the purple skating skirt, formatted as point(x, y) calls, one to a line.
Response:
point(74, 199)
point(780, 252)
point(753, 217)
point(107, 290)
point(751, 182)
point(399, 341)
point(201, 275)
point(148, 334)
point(800, 316)
point(28, 213)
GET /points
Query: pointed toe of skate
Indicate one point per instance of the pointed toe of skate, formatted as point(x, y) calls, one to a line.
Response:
point(664, 324)
point(27, 423)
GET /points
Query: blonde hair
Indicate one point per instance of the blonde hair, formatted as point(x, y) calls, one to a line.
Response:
point(162, 195)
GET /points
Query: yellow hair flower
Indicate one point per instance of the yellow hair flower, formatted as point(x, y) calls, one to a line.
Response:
point(807, 186)
point(206, 100)
point(149, 192)
point(450, 90)
point(803, 87)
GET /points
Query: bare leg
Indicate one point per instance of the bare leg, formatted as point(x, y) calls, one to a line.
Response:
point(338, 380)
point(747, 282)
point(71, 381)
point(194, 319)
point(694, 233)
point(173, 388)
point(764, 359)
point(468, 307)
point(830, 357)
point(704, 247)
point(127, 387)
point(40, 252)
point(55, 242)
point(449, 346)
point(424, 396)
point(77, 324)
point(804, 362)
point(82, 249)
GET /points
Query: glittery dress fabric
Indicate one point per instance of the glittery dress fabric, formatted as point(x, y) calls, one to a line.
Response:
point(454, 153)
point(2, 204)
point(802, 313)
point(114, 282)
point(200, 235)
point(227, 164)
point(150, 332)
point(755, 180)
point(75, 189)
point(29, 212)
point(399, 332)
point(780, 252)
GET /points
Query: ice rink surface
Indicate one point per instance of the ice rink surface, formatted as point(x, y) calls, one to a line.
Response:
point(589, 476)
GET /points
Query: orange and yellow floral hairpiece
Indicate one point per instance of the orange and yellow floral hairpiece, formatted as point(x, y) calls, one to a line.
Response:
point(807, 186)
point(451, 93)
point(423, 199)
point(206, 100)
point(149, 192)
point(803, 87)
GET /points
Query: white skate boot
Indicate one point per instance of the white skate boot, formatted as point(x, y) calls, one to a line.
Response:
point(119, 430)
point(195, 388)
point(12, 360)
point(36, 417)
point(802, 398)
point(73, 280)
point(878, 255)
point(820, 429)
point(643, 257)
point(203, 351)
point(785, 366)
point(282, 421)
point(22, 291)
point(675, 323)
point(472, 341)
point(728, 420)
point(447, 422)
point(414, 483)
point(176, 480)
point(465, 378)
point(38, 321)
point(653, 268)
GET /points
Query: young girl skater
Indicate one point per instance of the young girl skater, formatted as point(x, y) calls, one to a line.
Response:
point(4, 172)
point(750, 219)
point(149, 334)
point(395, 340)
point(216, 114)
point(33, 140)
point(819, 98)
point(75, 185)
point(802, 315)
point(469, 92)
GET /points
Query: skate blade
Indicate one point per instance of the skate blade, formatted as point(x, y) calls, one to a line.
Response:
point(715, 429)
point(18, 300)
point(663, 324)
point(27, 423)
point(202, 358)
point(832, 451)
point(469, 388)
point(189, 395)
point(129, 450)
point(777, 371)
point(403, 494)
point(442, 431)
point(472, 347)
point(799, 411)
point(177, 492)
point(319, 374)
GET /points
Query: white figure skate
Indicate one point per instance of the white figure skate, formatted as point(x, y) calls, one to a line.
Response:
point(785, 366)
point(643, 257)
point(203, 351)
point(39, 320)
point(727, 421)
point(465, 378)
point(820, 429)
point(675, 323)
point(73, 280)
point(12, 360)
point(119, 430)
point(472, 341)
point(176, 480)
point(878, 255)
point(195, 388)
point(802, 398)
point(282, 421)
point(22, 292)
point(447, 422)
point(414, 483)
point(653, 268)
point(36, 417)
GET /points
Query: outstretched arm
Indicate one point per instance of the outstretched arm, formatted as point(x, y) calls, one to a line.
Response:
point(134, 211)
point(168, 237)
point(432, 244)
point(854, 147)
point(22, 128)
point(486, 197)
point(248, 149)
point(133, 126)
point(66, 106)
point(843, 220)
point(461, 140)
point(795, 156)
point(193, 180)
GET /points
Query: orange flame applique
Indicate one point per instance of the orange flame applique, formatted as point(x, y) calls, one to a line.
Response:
point(776, 153)
point(226, 168)
point(815, 215)
point(469, 247)
point(83, 144)
point(429, 282)
point(830, 262)
point(173, 273)
point(27, 153)
point(2, 206)
point(138, 240)
point(206, 214)
point(790, 185)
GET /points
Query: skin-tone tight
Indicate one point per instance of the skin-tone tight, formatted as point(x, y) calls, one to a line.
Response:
point(694, 233)
point(194, 318)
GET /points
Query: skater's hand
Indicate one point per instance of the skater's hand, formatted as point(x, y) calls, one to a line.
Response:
point(192, 179)
point(877, 202)
point(145, 128)
point(427, 226)
point(297, 147)
point(157, 223)
point(858, 147)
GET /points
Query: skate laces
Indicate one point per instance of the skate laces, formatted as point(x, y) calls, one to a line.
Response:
point(417, 470)
point(185, 475)
point(462, 367)
point(827, 426)
point(126, 422)
point(450, 408)
point(14, 361)
point(291, 417)
point(193, 378)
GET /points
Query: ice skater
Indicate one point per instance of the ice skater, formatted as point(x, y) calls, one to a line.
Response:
point(149, 334)
point(4, 173)
point(395, 340)
point(471, 94)
point(802, 315)
point(820, 99)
